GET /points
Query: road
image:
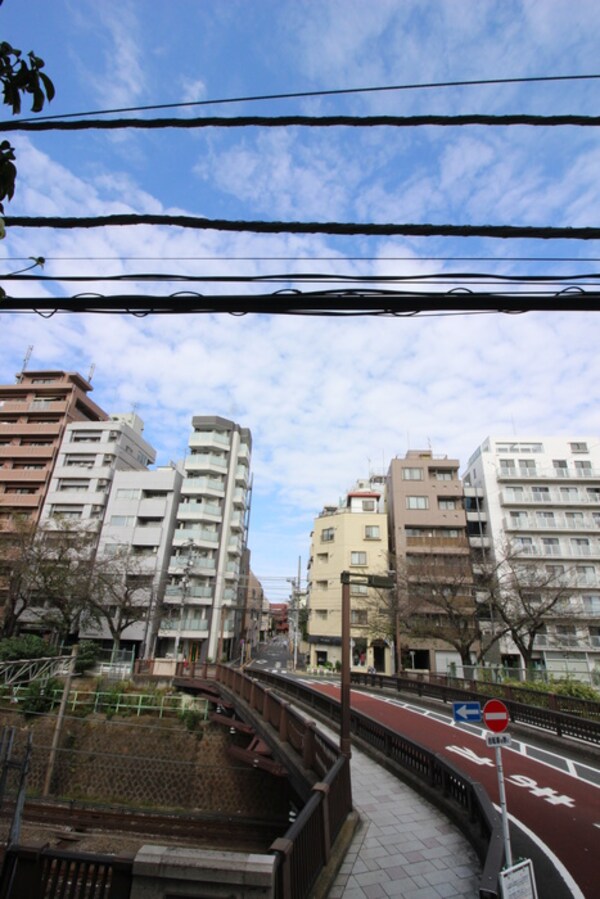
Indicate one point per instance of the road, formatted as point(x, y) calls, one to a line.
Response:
point(553, 799)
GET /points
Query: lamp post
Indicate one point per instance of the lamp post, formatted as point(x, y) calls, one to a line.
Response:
point(370, 580)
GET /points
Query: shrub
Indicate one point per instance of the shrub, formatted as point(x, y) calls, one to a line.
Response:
point(87, 656)
point(38, 696)
point(28, 646)
point(192, 719)
point(575, 688)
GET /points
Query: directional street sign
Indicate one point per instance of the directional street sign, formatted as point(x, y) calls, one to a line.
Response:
point(495, 715)
point(466, 711)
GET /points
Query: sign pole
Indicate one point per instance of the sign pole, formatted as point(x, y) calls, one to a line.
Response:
point(503, 809)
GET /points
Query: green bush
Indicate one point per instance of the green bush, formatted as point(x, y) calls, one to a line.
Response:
point(575, 688)
point(88, 654)
point(28, 646)
point(192, 718)
point(38, 697)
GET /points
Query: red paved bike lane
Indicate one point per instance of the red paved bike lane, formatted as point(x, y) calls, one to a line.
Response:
point(563, 811)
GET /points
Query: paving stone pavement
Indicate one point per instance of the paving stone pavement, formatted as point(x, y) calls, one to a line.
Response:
point(404, 847)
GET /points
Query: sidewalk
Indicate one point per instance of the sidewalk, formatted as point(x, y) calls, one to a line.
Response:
point(404, 846)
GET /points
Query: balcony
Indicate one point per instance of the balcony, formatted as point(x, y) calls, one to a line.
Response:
point(193, 591)
point(30, 429)
point(196, 510)
point(17, 451)
point(196, 535)
point(209, 439)
point(23, 475)
point(20, 500)
point(202, 486)
point(205, 462)
point(184, 626)
point(198, 563)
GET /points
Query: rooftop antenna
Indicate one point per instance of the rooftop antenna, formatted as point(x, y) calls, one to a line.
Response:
point(92, 370)
point(25, 363)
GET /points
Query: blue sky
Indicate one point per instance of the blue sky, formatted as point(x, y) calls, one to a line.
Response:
point(327, 400)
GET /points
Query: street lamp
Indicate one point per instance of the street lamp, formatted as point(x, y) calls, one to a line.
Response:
point(370, 580)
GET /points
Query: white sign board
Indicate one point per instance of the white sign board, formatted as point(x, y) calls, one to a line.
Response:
point(497, 739)
point(518, 881)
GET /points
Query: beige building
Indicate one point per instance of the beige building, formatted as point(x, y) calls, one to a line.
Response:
point(428, 531)
point(351, 537)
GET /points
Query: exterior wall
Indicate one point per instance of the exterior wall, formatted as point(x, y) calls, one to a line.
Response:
point(88, 457)
point(542, 497)
point(427, 519)
point(251, 628)
point(140, 521)
point(203, 605)
point(34, 413)
point(351, 538)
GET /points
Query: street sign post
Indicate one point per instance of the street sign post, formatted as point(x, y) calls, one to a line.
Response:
point(495, 716)
point(466, 711)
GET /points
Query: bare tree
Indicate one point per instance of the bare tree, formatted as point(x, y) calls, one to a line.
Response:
point(522, 595)
point(122, 592)
point(48, 576)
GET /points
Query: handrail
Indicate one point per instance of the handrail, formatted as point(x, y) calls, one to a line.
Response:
point(464, 798)
point(304, 850)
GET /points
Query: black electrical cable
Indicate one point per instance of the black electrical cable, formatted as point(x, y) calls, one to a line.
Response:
point(481, 82)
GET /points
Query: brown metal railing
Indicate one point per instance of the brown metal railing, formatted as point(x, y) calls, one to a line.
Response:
point(305, 848)
point(53, 874)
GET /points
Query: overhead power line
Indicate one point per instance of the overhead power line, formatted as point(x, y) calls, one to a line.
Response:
point(324, 303)
point(427, 85)
point(301, 121)
point(338, 228)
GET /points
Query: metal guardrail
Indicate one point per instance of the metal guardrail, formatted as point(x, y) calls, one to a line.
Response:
point(549, 718)
point(23, 671)
point(462, 797)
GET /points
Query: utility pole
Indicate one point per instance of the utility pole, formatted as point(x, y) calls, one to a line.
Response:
point(59, 721)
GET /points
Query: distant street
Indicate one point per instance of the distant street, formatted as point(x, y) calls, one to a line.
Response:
point(273, 655)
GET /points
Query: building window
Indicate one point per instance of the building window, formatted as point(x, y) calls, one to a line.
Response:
point(358, 558)
point(446, 504)
point(546, 519)
point(372, 532)
point(358, 589)
point(580, 546)
point(591, 604)
point(583, 469)
point(122, 521)
point(127, 493)
point(507, 466)
point(560, 468)
point(417, 502)
point(551, 546)
point(578, 447)
point(359, 617)
point(541, 494)
point(66, 512)
point(327, 535)
point(321, 614)
point(441, 474)
point(412, 474)
point(585, 574)
point(322, 557)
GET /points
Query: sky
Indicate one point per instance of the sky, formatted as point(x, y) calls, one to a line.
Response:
point(327, 400)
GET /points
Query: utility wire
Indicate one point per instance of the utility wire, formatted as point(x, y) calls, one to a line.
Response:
point(300, 121)
point(338, 228)
point(326, 93)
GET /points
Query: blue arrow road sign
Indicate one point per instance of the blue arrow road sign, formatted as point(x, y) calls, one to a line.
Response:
point(466, 711)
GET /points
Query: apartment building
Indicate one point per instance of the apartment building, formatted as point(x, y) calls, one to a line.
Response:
point(205, 594)
point(138, 532)
point(350, 537)
point(34, 413)
point(430, 555)
point(88, 457)
point(538, 500)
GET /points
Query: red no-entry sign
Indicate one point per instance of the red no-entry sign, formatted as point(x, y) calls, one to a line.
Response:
point(495, 715)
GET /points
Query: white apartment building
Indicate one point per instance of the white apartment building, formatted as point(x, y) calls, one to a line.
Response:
point(205, 594)
point(351, 537)
point(539, 498)
point(89, 455)
point(138, 531)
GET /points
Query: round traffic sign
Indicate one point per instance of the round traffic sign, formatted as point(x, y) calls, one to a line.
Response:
point(495, 715)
